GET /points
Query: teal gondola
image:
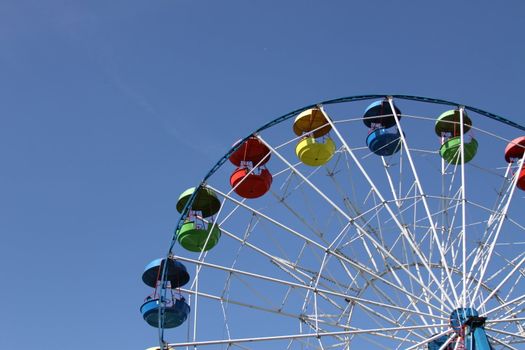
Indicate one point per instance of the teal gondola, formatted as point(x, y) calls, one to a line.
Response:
point(174, 313)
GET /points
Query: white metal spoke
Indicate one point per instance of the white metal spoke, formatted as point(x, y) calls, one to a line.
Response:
point(434, 337)
point(333, 252)
point(503, 281)
point(387, 207)
point(504, 344)
point(498, 231)
point(303, 286)
point(361, 230)
point(425, 204)
point(514, 335)
point(463, 208)
point(376, 331)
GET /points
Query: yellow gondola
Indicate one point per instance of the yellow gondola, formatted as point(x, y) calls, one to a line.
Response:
point(313, 124)
point(309, 120)
point(314, 153)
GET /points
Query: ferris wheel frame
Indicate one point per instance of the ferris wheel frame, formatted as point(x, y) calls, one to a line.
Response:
point(294, 113)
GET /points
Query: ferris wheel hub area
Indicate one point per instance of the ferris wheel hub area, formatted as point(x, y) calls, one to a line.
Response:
point(465, 316)
point(469, 329)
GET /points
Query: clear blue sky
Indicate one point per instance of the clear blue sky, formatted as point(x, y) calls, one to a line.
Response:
point(110, 109)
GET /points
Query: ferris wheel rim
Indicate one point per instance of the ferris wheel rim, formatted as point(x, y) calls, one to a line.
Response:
point(340, 100)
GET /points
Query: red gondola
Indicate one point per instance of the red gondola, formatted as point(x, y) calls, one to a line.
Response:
point(515, 149)
point(252, 150)
point(252, 185)
point(513, 153)
point(250, 156)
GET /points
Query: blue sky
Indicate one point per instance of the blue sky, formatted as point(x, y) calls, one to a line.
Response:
point(110, 109)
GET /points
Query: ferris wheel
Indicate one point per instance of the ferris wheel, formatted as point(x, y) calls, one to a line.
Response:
point(365, 222)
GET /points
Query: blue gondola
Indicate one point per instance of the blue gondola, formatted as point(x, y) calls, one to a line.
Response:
point(176, 273)
point(383, 142)
point(380, 113)
point(175, 313)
